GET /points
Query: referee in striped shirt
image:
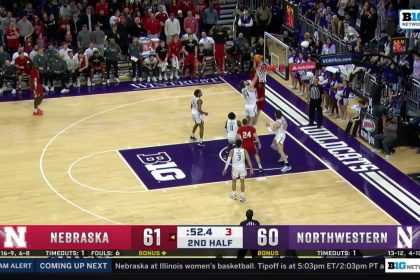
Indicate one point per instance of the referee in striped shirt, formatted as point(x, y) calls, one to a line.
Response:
point(248, 222)
point(315, 101)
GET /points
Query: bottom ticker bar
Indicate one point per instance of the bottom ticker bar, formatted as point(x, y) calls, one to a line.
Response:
point(209, 265)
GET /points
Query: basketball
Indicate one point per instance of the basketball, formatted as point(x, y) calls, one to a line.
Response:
point(258, 58)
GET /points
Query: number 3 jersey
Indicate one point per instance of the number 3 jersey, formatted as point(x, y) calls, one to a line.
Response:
point(238, 159)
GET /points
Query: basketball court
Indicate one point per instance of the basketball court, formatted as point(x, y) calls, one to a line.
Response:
point(88, 161)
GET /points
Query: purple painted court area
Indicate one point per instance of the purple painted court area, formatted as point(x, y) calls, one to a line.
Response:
point(184, 164)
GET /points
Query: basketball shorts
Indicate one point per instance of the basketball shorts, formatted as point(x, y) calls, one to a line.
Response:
point(280, 138)
point(198, 118)
point(250, 148)
point(231, 139)
point(238, 173)
point(250, 110)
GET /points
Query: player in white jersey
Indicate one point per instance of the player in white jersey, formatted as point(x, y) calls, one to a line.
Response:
point(231, 128)
point(197, 115)
point(248, 91)
point(279, 127)
point(238, 155)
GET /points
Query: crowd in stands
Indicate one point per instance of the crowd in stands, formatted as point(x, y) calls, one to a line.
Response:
point(70, 41)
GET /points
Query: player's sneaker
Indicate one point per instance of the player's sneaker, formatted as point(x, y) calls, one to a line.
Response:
point(374, 150)
point(89, 83)
point(38, 113)
point(108, 81)
point(192, 138)
point(78, 83)
point(64, 90)
point(201, 144)
point(233, 196)
point(164, 77)
point(13, 91)
point(260, 170)
point(154, 79)
point(51, 89)
point(242, 198)
point(117, 80)
point(103, 82)
point(286, 168)
point(387, 157)
point(148, 79)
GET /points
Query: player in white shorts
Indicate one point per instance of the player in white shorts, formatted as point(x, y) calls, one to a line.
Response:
point(238, 155)
point(231, 128)
point(197, 115)
point(248, 91)
point(279, 127)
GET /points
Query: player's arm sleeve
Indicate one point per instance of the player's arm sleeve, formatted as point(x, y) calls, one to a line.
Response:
point(228, 160)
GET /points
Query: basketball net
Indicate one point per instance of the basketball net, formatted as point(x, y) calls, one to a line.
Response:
point(262, 72)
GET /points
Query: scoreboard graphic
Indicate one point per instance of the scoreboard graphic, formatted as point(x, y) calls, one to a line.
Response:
point(135, 249)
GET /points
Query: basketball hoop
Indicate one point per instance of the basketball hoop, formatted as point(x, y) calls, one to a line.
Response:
point(262, 72)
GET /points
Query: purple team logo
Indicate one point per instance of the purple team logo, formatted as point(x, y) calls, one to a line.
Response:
point(186, 164)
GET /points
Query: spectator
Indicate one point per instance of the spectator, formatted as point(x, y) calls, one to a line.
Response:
point(368, 24)
point(65, 10)
point(208, 44)
point(190, 55)
point(113, 34)
point(173, 7)
point(187, 34)
point(41, 64)
point(191, 23)
point(245, 24)
point(353, 126)
point(25, 29)
point(416, 66)
point(12, 35)
point(38, 27)
point(162, 56)
point(51, 28)
point(180, 18)
point(89, 19)
point(172, 27)
point(352, 9)
point(334, 82)
point(341, 6)
point(350, 34)
point(57, 71)
point(122, 31)
point(328, 47)
point(89, 51)
point(388, 136)
point(220, 37)
point(64, 51)
point(185, 6)
point(162, 16)
point(103, 21)
point(9, 74)
point(61, 32)
point(74, 8)
point(75, 24)
point(3, 56)
point(112, 54)
point(16, 54)
point(50, 52)
point(210, 18)
point(22, 64)
point(102, 6)
point(152, 25)
point(263, 18)
point(98, 39)
point(174, 56)
point(115, 18)
point(135, 51)
point(84, 38)
point(83, 69)
point(276, 18)
point(201, 60)
point(97, 65)
point(150, 64)
point(136, 29)
point(6, 21)
point(258, 47)
point(72, 65)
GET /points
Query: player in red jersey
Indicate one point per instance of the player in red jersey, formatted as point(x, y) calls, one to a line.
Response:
point(174, 55)
point(248, 133)
point(35, 86)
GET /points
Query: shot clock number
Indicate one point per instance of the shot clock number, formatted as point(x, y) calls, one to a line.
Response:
point(151, 236)
point(267, 237)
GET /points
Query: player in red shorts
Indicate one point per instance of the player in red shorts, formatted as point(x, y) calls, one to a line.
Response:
point(248, 133)
point(35, 86)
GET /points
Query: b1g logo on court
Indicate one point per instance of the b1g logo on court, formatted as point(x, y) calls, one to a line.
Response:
point(161, 166)
point(410, 19)
point(14, 237)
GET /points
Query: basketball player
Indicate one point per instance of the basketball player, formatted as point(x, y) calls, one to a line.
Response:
point(279, 127)
point(248, 133)
point(231, 128)
point(248, 92)
point(260, 84)
point(238, 156)
point(36, 87)
point(197, 115)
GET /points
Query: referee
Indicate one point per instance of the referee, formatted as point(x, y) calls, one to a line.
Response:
point(248, 222)
point(315, 91)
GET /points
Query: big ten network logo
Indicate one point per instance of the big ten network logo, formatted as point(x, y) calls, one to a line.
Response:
point(13, 238)
point(409, 19)
point(161, 167)
point(402, 265)
point(405, 237)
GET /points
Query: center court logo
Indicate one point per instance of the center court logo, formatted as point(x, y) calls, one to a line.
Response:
point(409, 19)
point(161, 166)
point(402, 265)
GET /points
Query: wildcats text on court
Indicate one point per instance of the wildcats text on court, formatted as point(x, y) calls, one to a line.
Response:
point(79, 237)
point(342, 237)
